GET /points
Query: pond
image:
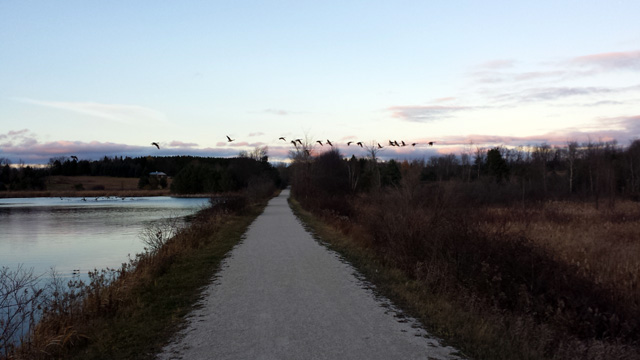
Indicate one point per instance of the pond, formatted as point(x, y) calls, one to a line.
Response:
point(81, 234)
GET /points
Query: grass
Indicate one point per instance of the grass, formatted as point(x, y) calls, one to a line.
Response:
point(603, 245)
point(162, 304)
point(437, 313)
point(132, 312)
point(558, 281)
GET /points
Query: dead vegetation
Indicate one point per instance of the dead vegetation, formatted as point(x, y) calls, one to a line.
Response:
point(501, 279)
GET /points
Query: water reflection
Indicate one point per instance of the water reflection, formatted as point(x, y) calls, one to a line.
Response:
point(77, 233)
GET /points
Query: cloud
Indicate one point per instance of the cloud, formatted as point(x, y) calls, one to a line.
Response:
point(495, 77)
point(493, 72)
point(557, 93)
point(240, 144)
point(629, 60)
point(426, 113)
point(497, 64)
point(24, 146)
point(256, 134)
point(180, 144)
point(22, 138)
point(276, 112)
point(620, 128)
point(126, 114)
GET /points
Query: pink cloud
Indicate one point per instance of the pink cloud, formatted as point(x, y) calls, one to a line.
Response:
point(629, 60)
point(240, 144)
point(622, 128)
point(426, 113)
point(181, 144)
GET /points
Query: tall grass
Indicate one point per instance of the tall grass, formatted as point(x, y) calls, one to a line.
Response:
point(558, 280)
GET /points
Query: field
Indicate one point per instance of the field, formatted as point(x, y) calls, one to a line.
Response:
point(601, 245)
point(551, 280)
point(88, 186)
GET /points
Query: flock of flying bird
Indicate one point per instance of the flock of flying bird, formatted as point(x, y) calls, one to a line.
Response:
point(295, 143)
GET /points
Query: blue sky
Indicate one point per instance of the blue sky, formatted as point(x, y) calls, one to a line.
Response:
point(96, 79)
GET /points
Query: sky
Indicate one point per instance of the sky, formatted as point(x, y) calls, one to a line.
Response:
point(108, 78)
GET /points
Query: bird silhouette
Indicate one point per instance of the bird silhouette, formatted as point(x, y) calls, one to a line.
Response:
point(74, 157)
point(414, 144)
point(403, 144)
point(294, 143)
point(431, 143)
point(359, 143)
point(319, 142)
point(349, 143)
point(155, 144)
point(380, 146)
point(229, 139)
point(299, 141)
point(391, 143)
point(395, 143)
point(329, 142)
point(282, 138)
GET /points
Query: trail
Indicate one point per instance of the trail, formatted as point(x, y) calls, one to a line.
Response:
point(282, 295)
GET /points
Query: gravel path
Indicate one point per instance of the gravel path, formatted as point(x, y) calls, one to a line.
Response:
point(282, 295)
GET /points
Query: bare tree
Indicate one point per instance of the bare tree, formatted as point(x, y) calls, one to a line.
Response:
point(479, 158)
point(633, 158)
point(20, 299)
point(541, 156)
point(572, 156)
point(372, 151)
point(156, 233)
point(353, 168)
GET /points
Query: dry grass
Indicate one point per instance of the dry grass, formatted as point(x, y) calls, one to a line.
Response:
point(557, 281)
point(601, 245)
point(62, 183)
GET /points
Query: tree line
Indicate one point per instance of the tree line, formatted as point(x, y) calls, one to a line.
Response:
point(191, 174)
point(595, 171)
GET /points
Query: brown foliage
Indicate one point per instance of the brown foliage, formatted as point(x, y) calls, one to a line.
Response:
point(541, 268)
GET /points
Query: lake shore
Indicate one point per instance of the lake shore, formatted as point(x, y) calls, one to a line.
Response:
point(87, 186)
point(85, 193)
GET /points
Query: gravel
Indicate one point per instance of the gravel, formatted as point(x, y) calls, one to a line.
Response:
point(282, 295)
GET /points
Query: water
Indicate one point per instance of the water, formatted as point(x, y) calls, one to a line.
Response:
point(81, 234)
